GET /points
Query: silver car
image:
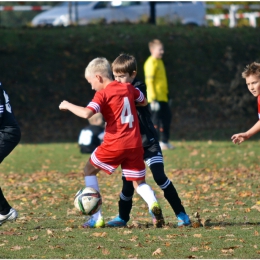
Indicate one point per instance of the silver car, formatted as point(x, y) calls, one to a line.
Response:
point(65, 14)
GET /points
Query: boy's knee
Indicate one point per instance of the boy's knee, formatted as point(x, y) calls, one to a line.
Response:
point(90, 170)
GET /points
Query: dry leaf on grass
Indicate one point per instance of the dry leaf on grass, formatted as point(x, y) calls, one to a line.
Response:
point(33, 238)
point(99, 234)
point(158, 251)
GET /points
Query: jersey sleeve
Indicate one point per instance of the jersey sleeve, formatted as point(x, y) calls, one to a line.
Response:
point(141, 86)
point(96, 104)
point(138, 96)
point(149, 72)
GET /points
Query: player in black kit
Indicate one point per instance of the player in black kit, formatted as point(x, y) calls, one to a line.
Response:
point(125, 70)
point(10, 136)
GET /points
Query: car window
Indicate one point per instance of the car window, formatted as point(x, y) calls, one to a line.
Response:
point(124, 3)
point(101, 4)
point(78, 2)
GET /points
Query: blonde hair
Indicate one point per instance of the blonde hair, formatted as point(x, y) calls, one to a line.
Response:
point(96, 119)
point(154, 42)
point(124, 63)
point(251, 69)
point(99, 66)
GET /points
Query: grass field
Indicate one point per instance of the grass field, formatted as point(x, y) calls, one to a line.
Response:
point(218, 183)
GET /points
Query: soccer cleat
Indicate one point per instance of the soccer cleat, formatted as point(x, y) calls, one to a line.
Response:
point(116, 222)
point(166, 146)
point(156, 213)
point(92, 223)
point(11, 216)
point(183, 219)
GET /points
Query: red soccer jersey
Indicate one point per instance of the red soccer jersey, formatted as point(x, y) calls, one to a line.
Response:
point(117, 104)
point(258, 101)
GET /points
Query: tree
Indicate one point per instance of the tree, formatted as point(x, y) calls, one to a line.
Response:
point(152, 18)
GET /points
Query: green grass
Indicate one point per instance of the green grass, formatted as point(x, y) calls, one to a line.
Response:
point(218, 180)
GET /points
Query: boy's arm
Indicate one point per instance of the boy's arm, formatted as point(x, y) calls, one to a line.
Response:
point(140, 98)
point(239, 138)
point(149, 72)
point(77, 110)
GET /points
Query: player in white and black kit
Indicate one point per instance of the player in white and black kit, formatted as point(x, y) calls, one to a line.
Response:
point(10, 136)
point(92, 136)
point(124, 70)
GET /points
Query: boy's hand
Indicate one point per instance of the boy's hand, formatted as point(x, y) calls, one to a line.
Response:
point(64, 105)
point(239, 138)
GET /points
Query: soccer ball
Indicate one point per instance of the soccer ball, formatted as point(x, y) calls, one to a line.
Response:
point(88, 201)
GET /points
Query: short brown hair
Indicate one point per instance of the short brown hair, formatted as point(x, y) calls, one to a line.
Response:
point(124, 63)
point(251, 69)
point(154, 42)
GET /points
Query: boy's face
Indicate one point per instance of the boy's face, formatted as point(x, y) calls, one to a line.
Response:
point(124, 77)
point(157, 51)
point(95, 82)
point(253, 84)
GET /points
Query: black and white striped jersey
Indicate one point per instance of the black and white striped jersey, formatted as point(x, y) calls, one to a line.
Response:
point(8, 123)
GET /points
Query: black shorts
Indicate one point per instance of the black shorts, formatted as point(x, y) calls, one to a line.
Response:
point(7, 144)
point(153, 154)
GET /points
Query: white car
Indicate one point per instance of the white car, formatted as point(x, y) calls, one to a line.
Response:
point(119, 11)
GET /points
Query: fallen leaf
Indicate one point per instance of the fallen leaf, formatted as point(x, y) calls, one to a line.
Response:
point(197, 235)
point(196, 224)
point(157, 252)
point(194, 249)
point(14, 248)
point(257, 207)
point(99, 234)
point(256, 233)
point(49, 232)
point(33, 238)
point(105, 251)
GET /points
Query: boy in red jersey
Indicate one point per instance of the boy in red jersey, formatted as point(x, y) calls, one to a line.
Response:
point(252, 76)
point(122, 142)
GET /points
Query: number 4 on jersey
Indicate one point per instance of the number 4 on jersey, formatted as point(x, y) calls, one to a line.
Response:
point(126, 115)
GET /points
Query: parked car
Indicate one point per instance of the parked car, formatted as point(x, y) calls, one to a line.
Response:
point(120, 11)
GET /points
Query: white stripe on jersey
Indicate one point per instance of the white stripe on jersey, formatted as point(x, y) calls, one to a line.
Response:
point(95, 106)
point(100, 164)
point(1, 108)
point(155, 159)
point(141, 97)
point(133, 174)
point(259, 115)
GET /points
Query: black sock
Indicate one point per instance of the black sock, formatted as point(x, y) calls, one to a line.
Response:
point(4, 205)
point(125, 202)
point(172, 197)
point(125, 209)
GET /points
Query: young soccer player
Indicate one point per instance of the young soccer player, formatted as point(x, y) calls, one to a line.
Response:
point(10, 136)
point(157, 92)
point(125, 69)
point(252, 76)
point(122, 142)
point(91, 136)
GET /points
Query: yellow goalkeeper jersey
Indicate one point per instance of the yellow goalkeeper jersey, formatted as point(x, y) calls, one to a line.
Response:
point(155, 80)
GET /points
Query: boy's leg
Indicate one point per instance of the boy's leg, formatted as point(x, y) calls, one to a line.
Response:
point(155, 116)
point(90, 177)
point(124, 205)
point(165, 116)
point(4, 205)
point(7, 213)
point(146, 192)
point(154, 160)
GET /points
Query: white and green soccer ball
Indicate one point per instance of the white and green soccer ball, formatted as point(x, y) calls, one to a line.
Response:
point(88, 201)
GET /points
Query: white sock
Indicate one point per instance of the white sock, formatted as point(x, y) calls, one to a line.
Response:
point(145, 191)
point(91, 181)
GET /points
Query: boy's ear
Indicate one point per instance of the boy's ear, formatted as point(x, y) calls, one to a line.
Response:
point(99, 78)
point(134, 73)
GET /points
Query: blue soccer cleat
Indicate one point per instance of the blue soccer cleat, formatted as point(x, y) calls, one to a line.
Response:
point(183, 219)
point(116, 222)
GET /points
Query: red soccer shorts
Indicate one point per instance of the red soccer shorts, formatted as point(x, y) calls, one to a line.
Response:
point(131, 161)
